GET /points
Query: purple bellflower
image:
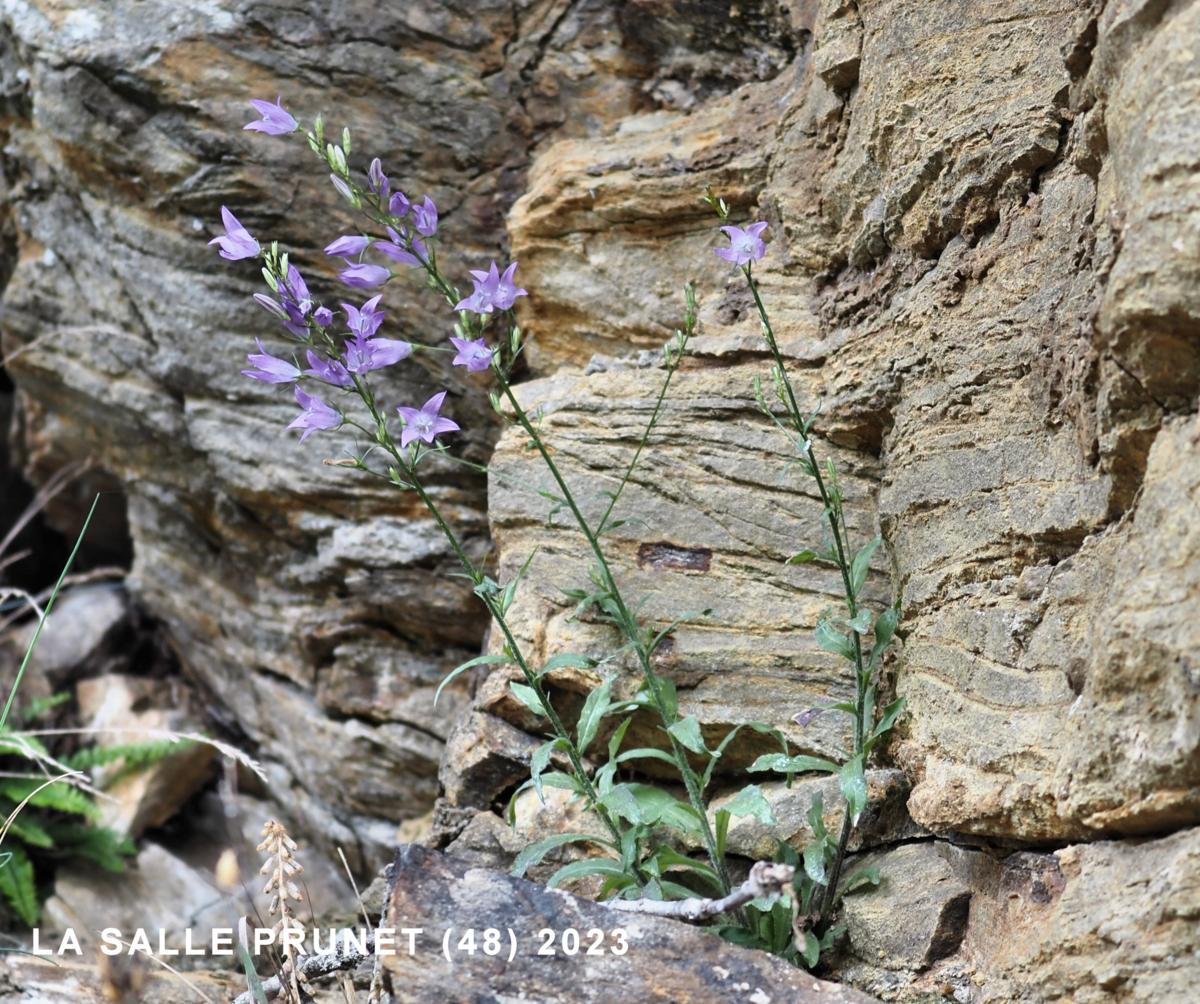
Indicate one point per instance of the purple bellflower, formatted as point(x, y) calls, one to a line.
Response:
point(399, 205)
point(396, 248)
point(377, 181)
point(236, 243)
point(328, 371)
point(296, 302)
point(269, 368)
point(323, 317)
point(493, 291)
point(365, 320)
point(745, 245)
point(425, 423)
point(425, 217)
point(473, 354)
point(316, 415)
point(275, 120)
point(363, 275)
point(267, 303)
point(365, 354)
point(347, 246)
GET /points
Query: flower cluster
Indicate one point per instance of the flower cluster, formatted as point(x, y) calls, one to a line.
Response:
point(340, 347)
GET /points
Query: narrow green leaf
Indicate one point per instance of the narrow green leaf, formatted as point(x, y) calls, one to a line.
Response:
point(534, 853)
point(722, 831)
point(253, 981)
point(566, 659)
point(687, 732)
point(593, 711)
point(582, 869)
point(479, 660)
point(750, 801)
point(861, 563)
point(862, 877)
point(615, 740)
point(832, 640)
point(885, 629)
point(854, 787)
point(814, 862)
point(37, 632)
point(802, 557)
point(529, 697)
point(812, 950)
point(816, 818)
point(781, 763)
point(646, 753)
point(17, 886)
point(538, 763)
point(861, 623)
point(890, 714)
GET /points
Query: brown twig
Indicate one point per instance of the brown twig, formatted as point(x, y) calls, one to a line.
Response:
point(345, 956)
point(766, 879)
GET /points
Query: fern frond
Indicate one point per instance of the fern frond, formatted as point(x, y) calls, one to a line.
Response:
point(17, 885)
point(61, 796)
point(95, 843)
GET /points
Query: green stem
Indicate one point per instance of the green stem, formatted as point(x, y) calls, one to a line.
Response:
point(837, 528)
point(632, 633)
point(477, 577)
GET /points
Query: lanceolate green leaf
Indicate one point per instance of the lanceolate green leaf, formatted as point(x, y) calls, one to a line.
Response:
point(854, 787)
point(529, 697)
point(814, 862)
point(861, 563)
point(592, 713)
point(781, 763)
point(832, 640)
point(582, 869)
point(750, 801)
point(687, 731)
point(479, 660)
point(534, 853)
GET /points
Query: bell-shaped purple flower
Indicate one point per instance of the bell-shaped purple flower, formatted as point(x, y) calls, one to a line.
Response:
point(364, 275)
point(366, 354)
point(267, 303)
point(425, 423)
point(322, 317)
point(347, 246)
point(506, 292)
point(397, 248)
point(316, 415)
point(473, 354)
point(236, 243)
point(296, 301)
point(329, 371)
point(493, 291)
point(425, 217)
point(377, 181)
point(399, 205)
point(745, 245)
point(364, 320)
point(269, 368)
point(274, 120)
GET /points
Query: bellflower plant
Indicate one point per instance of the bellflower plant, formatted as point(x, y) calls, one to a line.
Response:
point(639, 857)
point(818, 885)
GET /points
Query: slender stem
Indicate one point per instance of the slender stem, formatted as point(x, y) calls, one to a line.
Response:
point(837, 527)
point(477, 577)
point(629, 627)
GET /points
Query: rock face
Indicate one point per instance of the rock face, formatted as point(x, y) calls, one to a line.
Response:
point(982, 267)
point(631, 957)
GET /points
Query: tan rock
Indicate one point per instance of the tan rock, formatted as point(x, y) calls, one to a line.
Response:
point(125, 710)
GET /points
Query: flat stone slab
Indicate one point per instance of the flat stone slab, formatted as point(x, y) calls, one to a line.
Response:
point(617, 957)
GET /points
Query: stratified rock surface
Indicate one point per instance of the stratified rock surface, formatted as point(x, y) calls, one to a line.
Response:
point(632, 957)
point(983, 267)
